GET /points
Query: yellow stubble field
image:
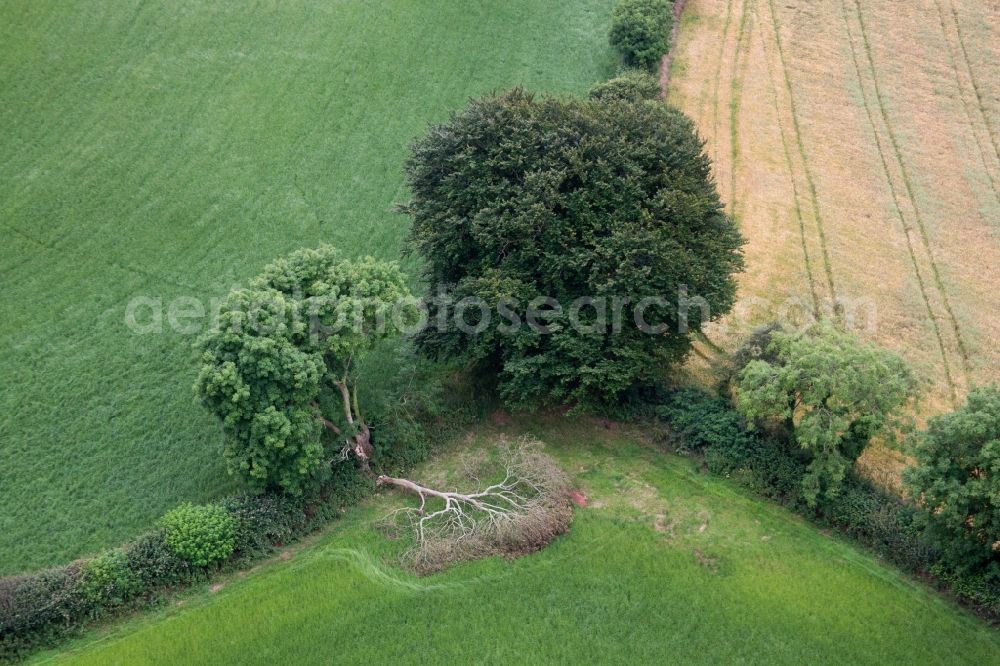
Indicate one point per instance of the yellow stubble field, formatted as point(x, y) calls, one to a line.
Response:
point(857, 142)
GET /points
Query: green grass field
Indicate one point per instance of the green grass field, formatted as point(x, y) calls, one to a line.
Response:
point(665, 565)
point(172, 149)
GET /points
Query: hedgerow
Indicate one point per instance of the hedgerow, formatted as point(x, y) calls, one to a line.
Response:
point(193, 542)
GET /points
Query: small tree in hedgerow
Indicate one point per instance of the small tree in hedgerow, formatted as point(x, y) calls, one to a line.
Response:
point(831, 393)
point(633, 85)
point(956, 478)
point(640, 31)
point(599, 203)
point(287, 344)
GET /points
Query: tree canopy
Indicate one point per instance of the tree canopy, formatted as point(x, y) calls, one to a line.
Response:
point(640, 31)
point(833, 394)
point(632, 85)
point(293, 336)
point(956, 477)
point(517, 199)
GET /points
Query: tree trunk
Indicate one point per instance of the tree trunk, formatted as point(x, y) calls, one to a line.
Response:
point(361, 445)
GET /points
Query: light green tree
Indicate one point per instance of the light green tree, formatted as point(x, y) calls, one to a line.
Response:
point(291, 339)
point(831, 392)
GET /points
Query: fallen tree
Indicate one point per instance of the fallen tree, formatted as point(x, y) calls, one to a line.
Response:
point(519, 514)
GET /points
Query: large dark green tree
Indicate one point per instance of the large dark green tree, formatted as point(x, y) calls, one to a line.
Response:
point(288, 343)
point(956, 478)
point(518, 198)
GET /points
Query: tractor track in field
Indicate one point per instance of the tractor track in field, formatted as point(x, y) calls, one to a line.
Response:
point(896, 196)
point(717, 82)
point(975, 82)
point(800, 145)
point(921, 226)
point(952, 60)
point(735, 92)
point(773, 87)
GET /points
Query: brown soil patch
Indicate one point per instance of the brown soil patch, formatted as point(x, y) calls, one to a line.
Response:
point(710, 562)
point(500, 418)
point(659, 523)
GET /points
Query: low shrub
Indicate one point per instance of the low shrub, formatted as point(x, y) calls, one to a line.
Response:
point(154, 564)
point(632, 85)
point(978, 589)
point(39, 608)
point(882, 523)
point(264, 522)
point(108, 580)
point(200, 535)
point(640, 31)
point(696, 421)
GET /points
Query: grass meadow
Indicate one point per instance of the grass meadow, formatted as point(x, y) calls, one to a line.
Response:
point(664, 565)
point(170, 150)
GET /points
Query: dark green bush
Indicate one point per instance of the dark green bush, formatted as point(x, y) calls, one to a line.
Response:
point(633, 85)
point(154, 564)
point(264, 522)
point(882, 523)
point(956, 477)
point(39, 608)
point(697, 420)
point(979, 589)
point(200, 535)
point(640, 31)
point(706, 424)
point(771, 468)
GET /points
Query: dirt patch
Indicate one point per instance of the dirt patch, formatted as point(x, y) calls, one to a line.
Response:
point(710, 562)
point(501, 418)
point(659, 523)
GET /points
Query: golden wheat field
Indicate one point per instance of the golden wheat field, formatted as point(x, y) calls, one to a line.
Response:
point(858, 144)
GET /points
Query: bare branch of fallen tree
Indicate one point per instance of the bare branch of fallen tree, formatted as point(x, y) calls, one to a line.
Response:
point(520, 513)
